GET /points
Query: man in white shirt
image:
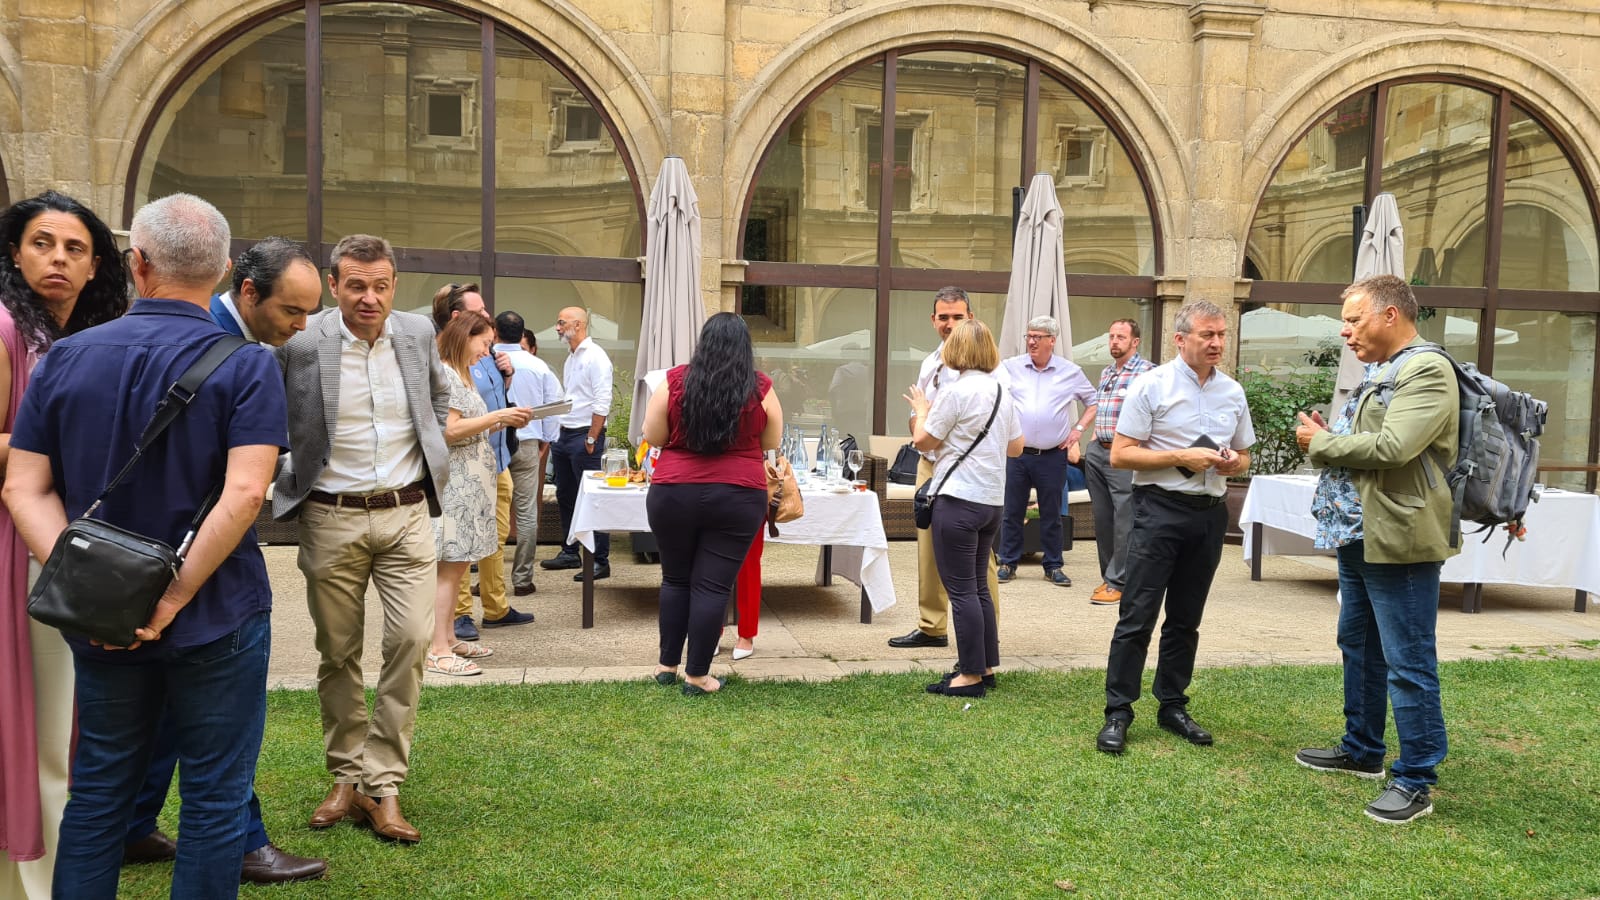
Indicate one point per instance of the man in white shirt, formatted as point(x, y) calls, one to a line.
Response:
point(1184, 428)
point(368, 399)
point(582, 438)
point(1043, 387)
point(951, 307)
point(533, 384)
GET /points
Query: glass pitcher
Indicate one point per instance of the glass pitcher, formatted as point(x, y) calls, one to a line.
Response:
point(615, 464)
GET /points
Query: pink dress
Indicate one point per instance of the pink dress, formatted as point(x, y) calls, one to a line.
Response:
point(21, 835)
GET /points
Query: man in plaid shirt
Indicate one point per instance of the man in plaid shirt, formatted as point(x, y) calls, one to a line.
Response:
point(1109, 489)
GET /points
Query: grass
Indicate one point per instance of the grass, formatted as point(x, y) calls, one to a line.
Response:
point(867, 787)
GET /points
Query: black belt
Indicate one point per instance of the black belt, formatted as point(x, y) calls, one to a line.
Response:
point(575, 430)
point(411, 493)
point(1039, 451)
point(1193, 501)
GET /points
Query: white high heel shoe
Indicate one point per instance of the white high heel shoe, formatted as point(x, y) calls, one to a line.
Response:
point(741, 653)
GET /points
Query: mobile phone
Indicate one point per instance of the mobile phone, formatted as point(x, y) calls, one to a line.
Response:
point(1204, 440)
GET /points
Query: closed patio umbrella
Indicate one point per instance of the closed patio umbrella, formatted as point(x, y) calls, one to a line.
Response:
point(673, 311)
point(1038, 273)
point(1382, 252)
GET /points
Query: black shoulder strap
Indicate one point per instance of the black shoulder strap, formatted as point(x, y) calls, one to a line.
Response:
point(178, 398)
point(981, 435)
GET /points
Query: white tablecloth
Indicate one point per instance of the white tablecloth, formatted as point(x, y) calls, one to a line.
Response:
point(851, 523)
point(1562, 548)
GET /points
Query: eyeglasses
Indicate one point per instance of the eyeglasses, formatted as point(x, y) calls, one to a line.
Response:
point(127, 257)
point(1035, 338)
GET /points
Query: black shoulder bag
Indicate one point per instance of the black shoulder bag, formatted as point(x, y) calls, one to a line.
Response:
point(102, 581)
point(922, 503)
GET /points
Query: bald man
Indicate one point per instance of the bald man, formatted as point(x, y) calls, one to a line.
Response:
point(587, 378)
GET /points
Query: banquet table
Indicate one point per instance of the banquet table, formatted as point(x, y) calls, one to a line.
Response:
point(1562, 548)
point(847, 526)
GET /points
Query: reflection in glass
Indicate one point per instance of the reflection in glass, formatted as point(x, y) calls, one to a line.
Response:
point(957, 154)
point(1290, 338)
point(1436, 148)
point(1105, 219)
point(1551, 356)
point(912, 337)
point(402, 126)
point(561, 187)
point(238, 138)
point(1457, 330)
point(809, 204)
point(1548, 239)
point(1302, 230)
point(615, 310)
point(822, 368)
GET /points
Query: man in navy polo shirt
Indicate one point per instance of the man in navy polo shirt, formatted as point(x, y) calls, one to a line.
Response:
point(202, 658)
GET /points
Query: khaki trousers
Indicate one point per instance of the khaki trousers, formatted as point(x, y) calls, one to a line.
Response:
point(340, 551)
point(52, 704)
point(933, 604)
point(492, 568)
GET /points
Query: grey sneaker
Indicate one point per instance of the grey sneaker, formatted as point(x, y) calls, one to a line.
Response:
point(1335, 759)
point(1398, 805)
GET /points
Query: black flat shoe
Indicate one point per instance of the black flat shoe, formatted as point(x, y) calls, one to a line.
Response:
point(694, 690)
point(666, 679)
point(946, 678)
point(969, 690)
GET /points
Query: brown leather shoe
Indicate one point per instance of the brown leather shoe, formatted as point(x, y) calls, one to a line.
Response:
point(523, 590)
point(153, 847)
point(1104, 595)
point(335, 808)
point(269, 865)
point(382, 815)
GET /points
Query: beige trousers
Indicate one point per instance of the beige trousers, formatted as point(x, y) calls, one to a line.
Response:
point(340, 551)
point(492, 568)
point(933, 604)
point(52, 703)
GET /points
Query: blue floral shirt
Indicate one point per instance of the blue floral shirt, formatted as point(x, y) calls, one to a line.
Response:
point(1336, 505)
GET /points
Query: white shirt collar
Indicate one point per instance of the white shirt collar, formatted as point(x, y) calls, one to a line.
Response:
point(350, 336)
point(233, 310)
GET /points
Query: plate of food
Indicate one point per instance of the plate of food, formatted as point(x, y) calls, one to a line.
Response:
point(594, 474)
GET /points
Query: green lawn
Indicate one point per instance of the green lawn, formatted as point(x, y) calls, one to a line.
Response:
point(868, 787)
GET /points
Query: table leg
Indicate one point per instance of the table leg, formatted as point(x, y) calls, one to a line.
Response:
point(1472, 598)
point(1255, 547)
point(1580, 601)
point(827, 565)
point(866, 608)
point(588, 586)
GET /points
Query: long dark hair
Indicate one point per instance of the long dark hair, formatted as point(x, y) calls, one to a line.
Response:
point(720, 381)
point(104, 298)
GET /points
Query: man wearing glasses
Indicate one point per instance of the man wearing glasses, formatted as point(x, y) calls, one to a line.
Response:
point(1043, 387)
point(951, 307)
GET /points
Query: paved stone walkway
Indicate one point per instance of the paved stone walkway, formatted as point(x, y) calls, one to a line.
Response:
point(810, 632)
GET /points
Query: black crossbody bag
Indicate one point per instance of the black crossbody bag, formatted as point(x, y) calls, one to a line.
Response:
point(922, 503)
point(102, 581)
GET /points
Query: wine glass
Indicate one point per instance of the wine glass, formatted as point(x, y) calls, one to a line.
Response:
point(855, 461)
point(839, 460)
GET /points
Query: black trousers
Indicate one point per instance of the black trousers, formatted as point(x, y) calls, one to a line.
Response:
point(963, 533)
point(1172, 554)
point(570, 460)
point(704, 532)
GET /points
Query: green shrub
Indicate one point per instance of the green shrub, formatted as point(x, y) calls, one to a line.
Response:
point(1274, 403)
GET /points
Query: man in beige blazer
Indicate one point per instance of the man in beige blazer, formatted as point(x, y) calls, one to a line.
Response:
point(368, 400)
point(1384, 504)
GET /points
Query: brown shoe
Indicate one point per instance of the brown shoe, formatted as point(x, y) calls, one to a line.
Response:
point(382, 815)
point(523, 590)
point(153, 847)
point(1104, 595)
point(269, 865)
point(335, 808)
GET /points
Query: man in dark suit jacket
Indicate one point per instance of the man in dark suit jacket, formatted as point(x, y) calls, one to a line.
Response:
point(366, 433)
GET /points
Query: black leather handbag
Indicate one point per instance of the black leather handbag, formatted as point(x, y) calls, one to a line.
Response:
point(904, 469)
point(922, 502)
point(102, 581)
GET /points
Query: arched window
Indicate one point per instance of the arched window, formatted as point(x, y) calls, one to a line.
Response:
point(476, 153)
point(897, 178)
point(1500, 241)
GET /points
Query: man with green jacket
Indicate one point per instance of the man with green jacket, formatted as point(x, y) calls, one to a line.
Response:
point(1383, 503)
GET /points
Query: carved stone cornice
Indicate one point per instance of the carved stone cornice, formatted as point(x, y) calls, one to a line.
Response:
point(1226, 19)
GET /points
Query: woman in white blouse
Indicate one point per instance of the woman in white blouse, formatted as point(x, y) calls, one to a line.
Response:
point(973, 428)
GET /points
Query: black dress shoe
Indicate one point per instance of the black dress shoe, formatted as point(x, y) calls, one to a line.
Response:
point(950, 690)
point(269, 865)
point(561, 561)
point(1178, 722)
point(601, 570)
point(946, 678)
point(153, 847)
point(918, 638)
point(1113, 738)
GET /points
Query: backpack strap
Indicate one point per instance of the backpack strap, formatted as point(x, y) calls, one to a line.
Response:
point(1384, 388)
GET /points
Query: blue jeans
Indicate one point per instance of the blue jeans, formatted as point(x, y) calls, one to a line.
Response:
point(153, 794)
point(214, 697)
point(1387, 618)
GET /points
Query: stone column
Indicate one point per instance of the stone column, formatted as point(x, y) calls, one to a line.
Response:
point(697, 63)
point(54, 43)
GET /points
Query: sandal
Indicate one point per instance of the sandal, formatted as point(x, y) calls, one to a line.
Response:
point(470, 650)
point(450, 665)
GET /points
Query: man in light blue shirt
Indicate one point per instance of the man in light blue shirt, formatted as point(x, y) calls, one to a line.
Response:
point(532, 384)
point(1043, 387)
